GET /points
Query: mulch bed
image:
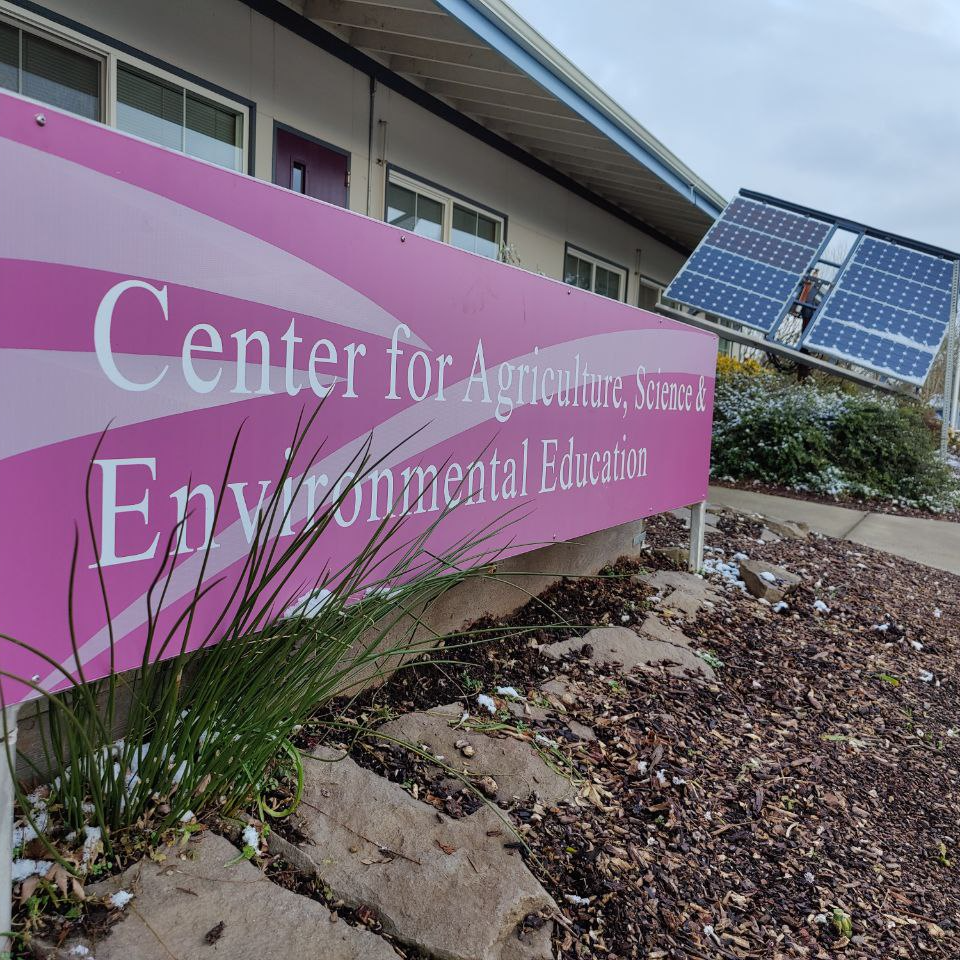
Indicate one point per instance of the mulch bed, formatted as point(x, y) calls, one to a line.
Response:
point(873, 506)
point(805, 805)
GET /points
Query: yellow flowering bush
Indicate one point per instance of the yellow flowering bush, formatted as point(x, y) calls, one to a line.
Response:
point(728, 366)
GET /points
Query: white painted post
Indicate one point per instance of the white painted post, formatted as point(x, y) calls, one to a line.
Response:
point(698, 513)
point(8, 764)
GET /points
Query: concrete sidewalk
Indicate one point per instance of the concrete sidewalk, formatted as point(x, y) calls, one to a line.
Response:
point(935, 543)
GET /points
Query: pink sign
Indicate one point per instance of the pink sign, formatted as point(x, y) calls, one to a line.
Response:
point(174, 300)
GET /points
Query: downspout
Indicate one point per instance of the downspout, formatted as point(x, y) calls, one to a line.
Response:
point(373, 105)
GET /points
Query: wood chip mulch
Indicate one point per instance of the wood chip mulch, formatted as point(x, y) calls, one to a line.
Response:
point(807, 804)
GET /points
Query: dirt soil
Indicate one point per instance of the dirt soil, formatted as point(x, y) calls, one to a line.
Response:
point(804, 805)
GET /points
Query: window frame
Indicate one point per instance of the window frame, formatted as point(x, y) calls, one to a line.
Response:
point(164, 76)
point(111, 53)
point(448, 199)
point(595, 260)
point(40, 29)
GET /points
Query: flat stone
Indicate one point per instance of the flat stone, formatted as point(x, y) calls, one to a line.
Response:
point(629, 649)
point(517, 768)
point(179, 901)
point(448, 887)
point(581, 730)
point(656, 629)
point(530, 712)
point(756, 577)
point(768, 536)
point(685, 593)
point(676, 555)
point(787, 529)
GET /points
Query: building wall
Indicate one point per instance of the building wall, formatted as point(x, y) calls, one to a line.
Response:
point(291, 81)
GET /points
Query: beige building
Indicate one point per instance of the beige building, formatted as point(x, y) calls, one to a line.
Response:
point(449, 117)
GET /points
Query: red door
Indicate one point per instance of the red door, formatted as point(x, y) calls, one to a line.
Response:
point(308, 167)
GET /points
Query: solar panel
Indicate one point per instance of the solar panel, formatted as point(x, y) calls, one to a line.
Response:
point(749, 266)
point(889, 310)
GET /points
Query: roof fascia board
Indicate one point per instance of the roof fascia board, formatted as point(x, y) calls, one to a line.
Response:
point(288, 18)
point(528, 52)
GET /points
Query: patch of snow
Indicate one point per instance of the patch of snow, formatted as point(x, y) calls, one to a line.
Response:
point(809, 877)
point(309, 605)
point(93, 837)
point(510, 692)
point(662, 778)
point(26, 831)
point(678, 781)
point(545, 740)
point(768, 576)
point(926, 676)
point(740, 557)
point(251, 838)
point(79, 950)
point(916, 644)
point(486, 702)
point(188, 816)
point(820, 606)
point(729, 572)
point(575, 900)
point(27, 868)
point(780, 606)
point(937, 612)
point(120, 899)
point(881, 627)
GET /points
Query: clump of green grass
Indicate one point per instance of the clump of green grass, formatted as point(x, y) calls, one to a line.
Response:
point(205, 731)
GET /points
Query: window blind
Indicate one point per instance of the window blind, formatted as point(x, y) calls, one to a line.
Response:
point(61, 77)
point(9, 56)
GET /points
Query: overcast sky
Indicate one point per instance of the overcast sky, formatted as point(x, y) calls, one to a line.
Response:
point(848, 106)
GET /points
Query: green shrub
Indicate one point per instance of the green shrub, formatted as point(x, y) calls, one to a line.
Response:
point(821, 438)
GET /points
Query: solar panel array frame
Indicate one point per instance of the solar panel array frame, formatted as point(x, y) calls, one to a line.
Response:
point(889, 311)
point(749, 266)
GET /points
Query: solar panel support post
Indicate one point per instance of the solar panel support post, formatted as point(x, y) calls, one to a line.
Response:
point(951, 375)
point(834, 285)
point(948, 377)
point(698, 524)
point(955, 416)
point(794, 300)
point(7, 792)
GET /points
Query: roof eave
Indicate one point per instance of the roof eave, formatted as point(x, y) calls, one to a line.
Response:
point(508, 33)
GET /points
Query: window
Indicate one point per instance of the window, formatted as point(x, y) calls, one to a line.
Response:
point(79, 74)
point(171, 115)
point(650, 293)
point(298, 177)
point(431, 213)
point(475, 231)
point(590, 273)
point(52, 72)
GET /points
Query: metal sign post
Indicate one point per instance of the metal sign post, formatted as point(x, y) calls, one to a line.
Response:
point(697, 524)
point(7, 793)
